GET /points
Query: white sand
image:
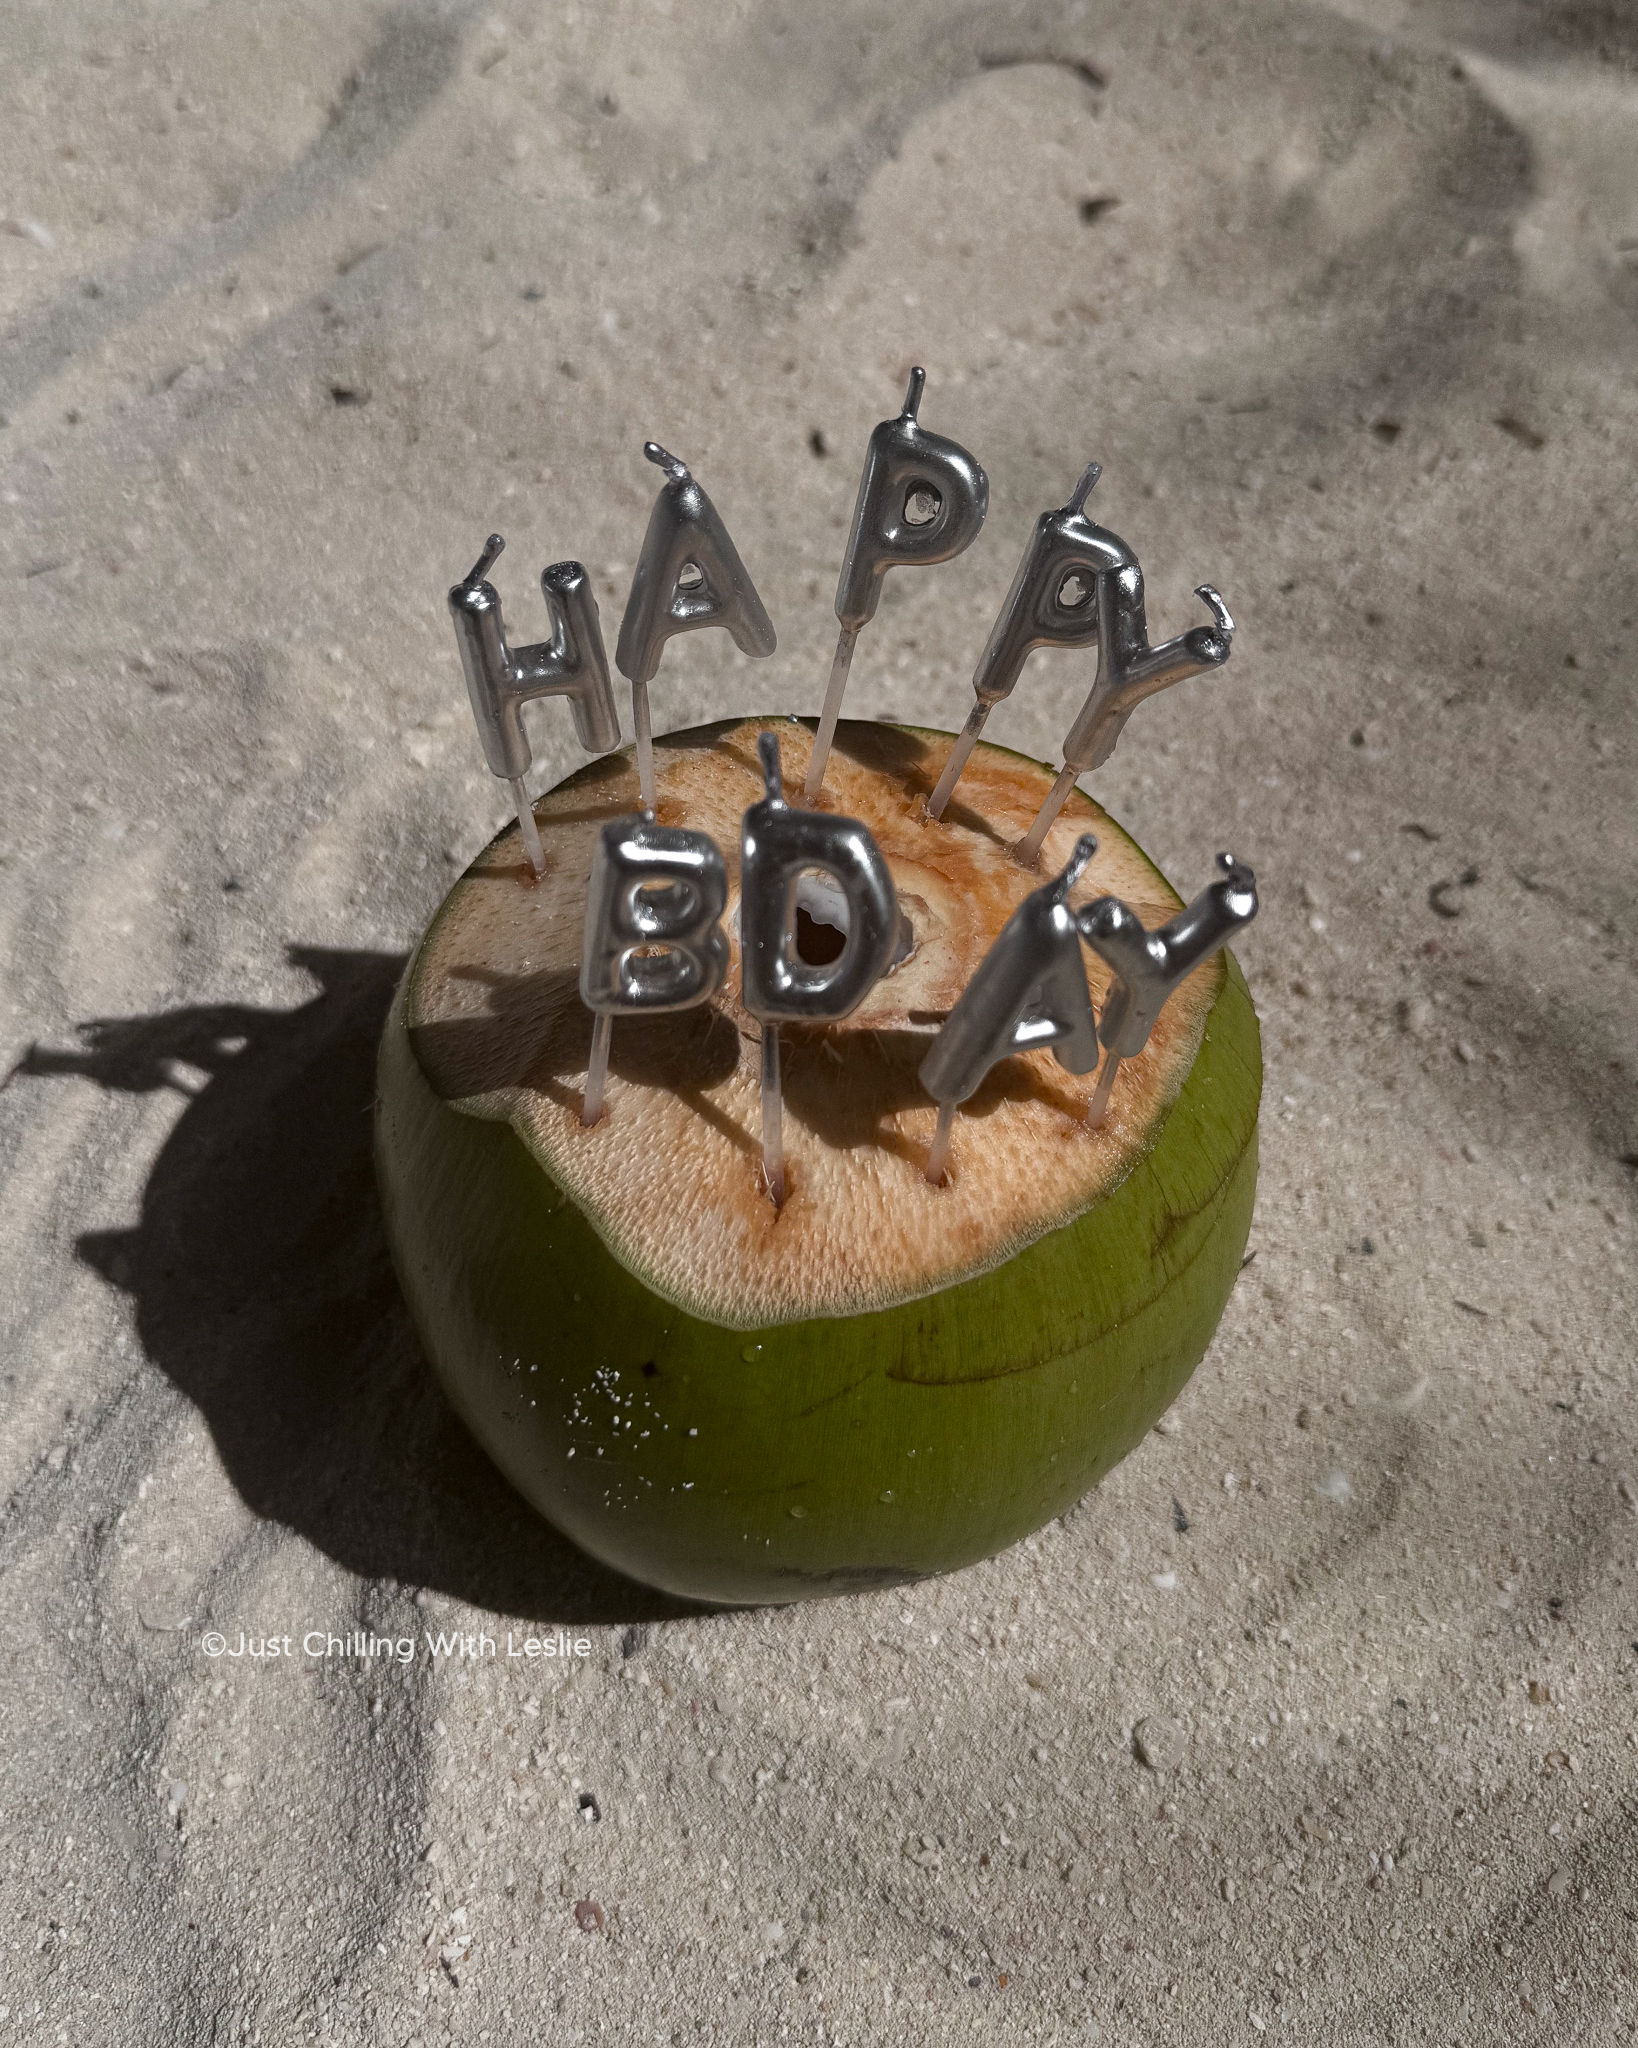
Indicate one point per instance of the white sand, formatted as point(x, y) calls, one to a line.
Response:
point(1356, 344)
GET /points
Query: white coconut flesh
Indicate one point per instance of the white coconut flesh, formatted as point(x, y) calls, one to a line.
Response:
point(670, 1177)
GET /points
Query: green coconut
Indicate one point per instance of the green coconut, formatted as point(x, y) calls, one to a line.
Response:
point(881, 1379)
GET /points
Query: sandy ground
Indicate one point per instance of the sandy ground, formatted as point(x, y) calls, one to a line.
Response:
point(299, 302)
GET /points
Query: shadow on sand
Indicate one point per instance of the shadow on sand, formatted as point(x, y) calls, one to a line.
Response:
point(264, 1289)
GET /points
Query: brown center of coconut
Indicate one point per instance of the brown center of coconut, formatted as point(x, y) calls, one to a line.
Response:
point(671, 1175)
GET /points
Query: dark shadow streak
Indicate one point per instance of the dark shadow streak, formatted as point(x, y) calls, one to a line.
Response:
point(409, 65)
point(264, 1290)
point(1088, 74)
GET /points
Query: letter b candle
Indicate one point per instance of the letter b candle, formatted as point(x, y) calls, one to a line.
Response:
point(653, 938)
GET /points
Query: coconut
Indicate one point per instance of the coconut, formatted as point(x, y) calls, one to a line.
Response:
point(881, 1378)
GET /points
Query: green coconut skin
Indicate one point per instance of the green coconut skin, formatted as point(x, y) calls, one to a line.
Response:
point(838, 1453)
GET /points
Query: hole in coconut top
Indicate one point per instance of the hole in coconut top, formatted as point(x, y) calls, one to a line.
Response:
point(817, 944)
point(822, 922)
point(1074, 591)
point(922, 505)
point(821, 919)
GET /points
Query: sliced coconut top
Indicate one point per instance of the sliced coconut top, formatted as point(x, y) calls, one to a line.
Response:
point(671, 1175)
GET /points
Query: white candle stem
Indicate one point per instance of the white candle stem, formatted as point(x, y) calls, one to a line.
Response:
point(1098, 1107)
point(773, 1122)
point(527, 826)
point(939, 1153)
point(960, 754)
point(645, 744)
point(825, 737)
point(597, 1068)
point(1028, 850)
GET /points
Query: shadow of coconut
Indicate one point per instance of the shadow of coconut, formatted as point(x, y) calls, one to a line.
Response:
point(264, 1289)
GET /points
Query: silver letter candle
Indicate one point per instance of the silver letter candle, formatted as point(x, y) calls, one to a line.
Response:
point(1147, 966)
point(1129, 670)
point(922, 499)
point(1028, 991)
point(778, 847)
point(500, 681)
point(688, 575)
point(1053, 602)
point(653, 938)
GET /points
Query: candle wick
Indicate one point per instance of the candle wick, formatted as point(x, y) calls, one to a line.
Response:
point(1214, 602)
point(1084, 489)
point(1085, 847)
point(662, 458)
point(492, 550)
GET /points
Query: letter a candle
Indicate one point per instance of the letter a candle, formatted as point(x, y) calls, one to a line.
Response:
point(744, 1171)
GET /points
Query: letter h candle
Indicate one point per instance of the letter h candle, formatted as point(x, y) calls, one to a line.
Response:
point(501, 680)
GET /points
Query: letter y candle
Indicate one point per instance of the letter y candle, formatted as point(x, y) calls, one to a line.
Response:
point(1149, 965)
point(1129, 670)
